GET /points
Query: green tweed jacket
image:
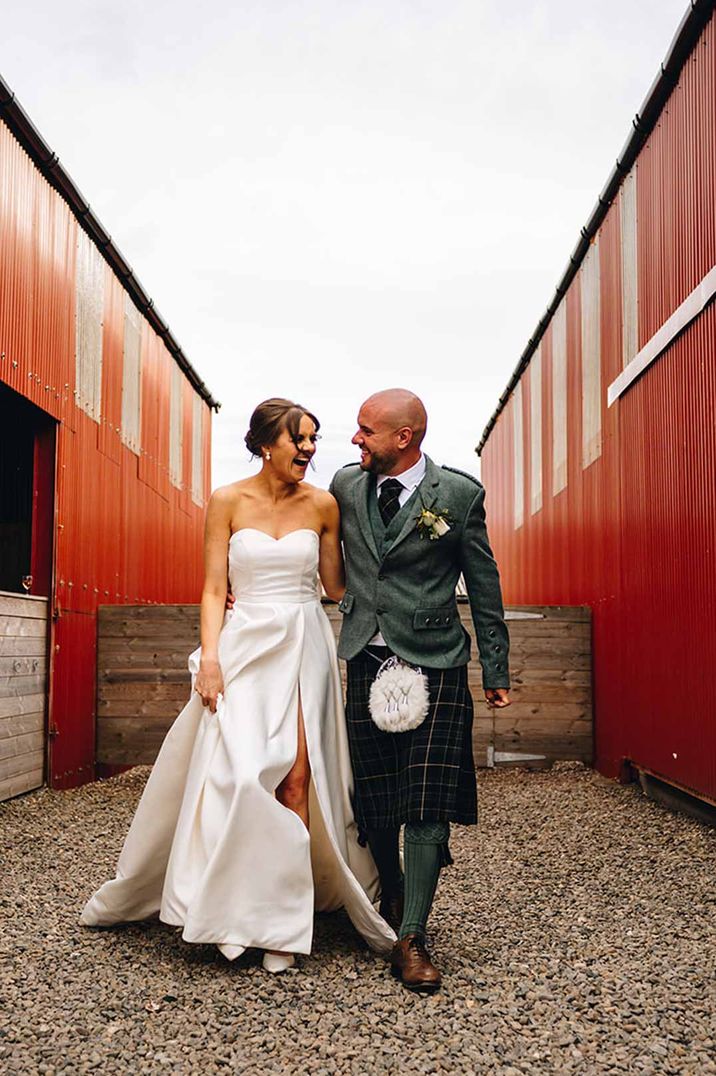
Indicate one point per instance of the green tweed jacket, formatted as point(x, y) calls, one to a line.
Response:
point(404, 584)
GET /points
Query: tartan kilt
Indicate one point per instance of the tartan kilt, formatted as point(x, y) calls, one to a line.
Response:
point(424, 775)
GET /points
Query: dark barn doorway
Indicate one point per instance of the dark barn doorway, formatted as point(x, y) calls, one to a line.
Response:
point(27, 452)
point(27, 479)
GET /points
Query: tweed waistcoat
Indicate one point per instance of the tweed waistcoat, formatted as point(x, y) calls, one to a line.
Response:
point(385, 536)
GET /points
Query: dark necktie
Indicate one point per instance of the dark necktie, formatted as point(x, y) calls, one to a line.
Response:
point(389, 499)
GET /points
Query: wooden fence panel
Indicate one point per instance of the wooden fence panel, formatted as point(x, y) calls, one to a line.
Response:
point(23, 692)
point(143, 683)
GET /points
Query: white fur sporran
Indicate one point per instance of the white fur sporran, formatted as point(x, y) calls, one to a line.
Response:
point(399, 697)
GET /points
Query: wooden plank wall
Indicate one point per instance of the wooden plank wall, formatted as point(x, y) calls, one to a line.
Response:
point(23, 692)
point(143, 683)
point(551, 693)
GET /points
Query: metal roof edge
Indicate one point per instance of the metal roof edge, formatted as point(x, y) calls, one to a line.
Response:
point(48, 163)
point(687, 34)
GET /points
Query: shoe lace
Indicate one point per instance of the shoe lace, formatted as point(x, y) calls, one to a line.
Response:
point(418, 944)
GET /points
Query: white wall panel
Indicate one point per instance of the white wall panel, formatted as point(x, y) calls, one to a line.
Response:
point(176, 427)
point(559, 399)
point(630, 279)
point(536, 431)
point(518, 447)
point(132, 377)
point(197, 460)
point(89, 308)
point(591, 358)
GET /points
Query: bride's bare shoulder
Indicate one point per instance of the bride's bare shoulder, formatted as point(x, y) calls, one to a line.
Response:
point(323, 501)
point(226, 500)
point(320, 497)
point(233, 491)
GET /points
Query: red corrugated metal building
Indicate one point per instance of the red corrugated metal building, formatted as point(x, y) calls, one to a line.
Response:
point(101, 412)
point(600, 460)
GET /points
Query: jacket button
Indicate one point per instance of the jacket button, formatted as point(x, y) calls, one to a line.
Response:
point(427, 619)
point(492, 633)
point(447, 619)
point(497, 649)
point(381, 577)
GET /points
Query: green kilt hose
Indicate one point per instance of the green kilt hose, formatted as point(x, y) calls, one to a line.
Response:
point(424, 775)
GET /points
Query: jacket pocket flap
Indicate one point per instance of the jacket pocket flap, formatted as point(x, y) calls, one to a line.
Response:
point(424, 619)
point(346, 603)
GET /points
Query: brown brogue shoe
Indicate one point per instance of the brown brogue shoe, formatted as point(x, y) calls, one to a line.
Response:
point(411, 963)
point(391, 909)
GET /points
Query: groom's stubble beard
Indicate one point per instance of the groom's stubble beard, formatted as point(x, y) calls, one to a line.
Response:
point(380, 462)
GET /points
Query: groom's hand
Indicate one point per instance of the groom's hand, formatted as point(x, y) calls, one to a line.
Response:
point(497, 697)
point(230, 599)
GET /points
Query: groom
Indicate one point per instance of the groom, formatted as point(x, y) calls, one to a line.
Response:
point(402, 568)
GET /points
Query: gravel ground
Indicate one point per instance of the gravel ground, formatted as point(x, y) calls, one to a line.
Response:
point(576, 933)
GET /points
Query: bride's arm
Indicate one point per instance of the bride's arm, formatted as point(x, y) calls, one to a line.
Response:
point(331, 567)
point(209, 681)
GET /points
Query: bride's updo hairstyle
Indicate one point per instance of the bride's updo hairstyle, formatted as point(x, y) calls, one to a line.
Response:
point(271, 418)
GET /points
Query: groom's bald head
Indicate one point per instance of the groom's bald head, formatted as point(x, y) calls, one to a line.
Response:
point(391, 428)
point(401, 408)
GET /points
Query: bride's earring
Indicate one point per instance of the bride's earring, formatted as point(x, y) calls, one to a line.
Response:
point(268, 455)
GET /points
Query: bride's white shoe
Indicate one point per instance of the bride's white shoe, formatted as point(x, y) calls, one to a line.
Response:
point(278, 962)
point(231, 952)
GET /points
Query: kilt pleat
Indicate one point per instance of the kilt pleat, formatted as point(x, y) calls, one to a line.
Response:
point(424, 775)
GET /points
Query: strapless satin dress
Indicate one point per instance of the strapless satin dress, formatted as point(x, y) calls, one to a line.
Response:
point(210, 848)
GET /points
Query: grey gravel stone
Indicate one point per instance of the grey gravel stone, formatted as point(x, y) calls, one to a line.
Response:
point(576, 933)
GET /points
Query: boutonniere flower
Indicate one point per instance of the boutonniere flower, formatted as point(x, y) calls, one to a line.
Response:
point(432, 525)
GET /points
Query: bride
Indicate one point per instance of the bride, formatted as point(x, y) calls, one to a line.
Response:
point(245, 824)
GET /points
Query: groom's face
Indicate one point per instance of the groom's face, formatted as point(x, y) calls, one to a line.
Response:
point(377, 439)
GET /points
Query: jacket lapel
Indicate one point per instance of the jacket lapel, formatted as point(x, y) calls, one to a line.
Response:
point(427, 496)
point(362, 493)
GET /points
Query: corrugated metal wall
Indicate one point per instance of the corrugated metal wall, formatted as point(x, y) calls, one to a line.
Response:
point(633, 532)
point(123, 531)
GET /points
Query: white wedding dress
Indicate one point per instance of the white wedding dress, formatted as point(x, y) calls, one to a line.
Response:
point(210, 848)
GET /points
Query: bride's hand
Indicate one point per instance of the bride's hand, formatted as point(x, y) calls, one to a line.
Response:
point(209, 683)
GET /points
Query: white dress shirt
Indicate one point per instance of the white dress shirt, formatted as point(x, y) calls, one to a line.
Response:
point(410, 479)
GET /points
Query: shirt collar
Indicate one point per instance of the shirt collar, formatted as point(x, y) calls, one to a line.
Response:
point(410, 478)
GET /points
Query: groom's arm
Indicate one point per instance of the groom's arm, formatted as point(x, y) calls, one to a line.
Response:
point(334, 490)
point(334, 483)
point(482, 581)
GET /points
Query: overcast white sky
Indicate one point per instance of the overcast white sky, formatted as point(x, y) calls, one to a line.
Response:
point(329, 198)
